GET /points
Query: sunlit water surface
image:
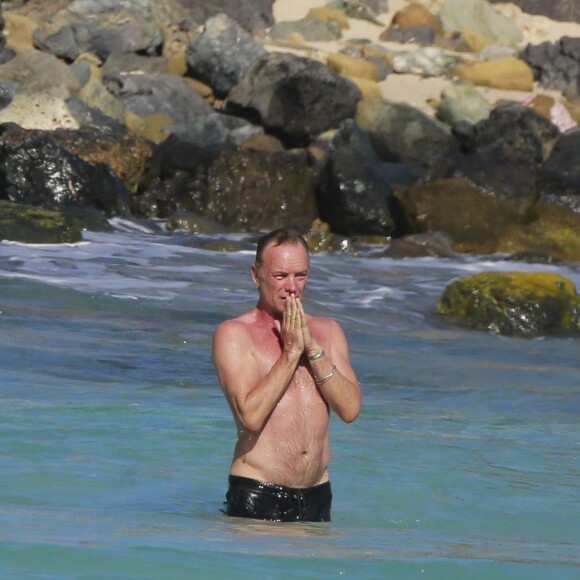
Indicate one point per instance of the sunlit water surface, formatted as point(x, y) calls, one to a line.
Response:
point(115, 440)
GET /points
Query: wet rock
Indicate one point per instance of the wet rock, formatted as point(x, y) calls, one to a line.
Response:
point(250, 190)
point(548, 230)
point(293, 98)
point(472, 218)
point(555, 65)
point(401, 133)
point(431, 244)
point(34, 225)
point(193, 223)
point(513, 303)
point(37, 171)
point(222, 54)
point(126, 155)
point(177, 178)
point(354, 197)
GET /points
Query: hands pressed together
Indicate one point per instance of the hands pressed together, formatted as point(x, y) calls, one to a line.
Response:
point(294, 331)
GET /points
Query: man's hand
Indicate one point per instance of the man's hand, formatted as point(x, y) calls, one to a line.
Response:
point(311, 347)
point(291, 327)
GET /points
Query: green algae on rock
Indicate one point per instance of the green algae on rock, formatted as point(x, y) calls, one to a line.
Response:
point(34, 225)
point(513, 303)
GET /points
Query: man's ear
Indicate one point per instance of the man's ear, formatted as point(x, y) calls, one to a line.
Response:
point(255, 275)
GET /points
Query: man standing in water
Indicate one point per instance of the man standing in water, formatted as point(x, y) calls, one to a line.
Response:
point(281, 371)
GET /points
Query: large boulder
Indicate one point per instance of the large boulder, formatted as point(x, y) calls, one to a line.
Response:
point(401, 133)
point(354, 196)
point(559, 177)
point(292, 97)
point(513, 303)
point(514, 140)
point(36, 170)
point(474, 219)
point(250, 190)
point(34, 225)
point(222, 53)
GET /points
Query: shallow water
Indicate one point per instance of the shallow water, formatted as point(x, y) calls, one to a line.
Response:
point(116, 441)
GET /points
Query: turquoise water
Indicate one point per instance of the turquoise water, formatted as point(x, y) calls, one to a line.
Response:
point(115, 440)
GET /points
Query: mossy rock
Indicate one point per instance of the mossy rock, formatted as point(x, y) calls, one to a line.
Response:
point(34, 225)
point(513, 303)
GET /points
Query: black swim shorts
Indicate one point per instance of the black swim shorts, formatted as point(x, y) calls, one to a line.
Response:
point(260, 500)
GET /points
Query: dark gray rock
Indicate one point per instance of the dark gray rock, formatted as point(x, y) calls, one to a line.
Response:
point(145, 95)
point(513, 140)
point(559, 177)
point(215, 129)
point(67, 36)
point(354, 197)
point(255, 16)
point(251, 190)
point(36, 171)
point(401, 133)
point(555, 65)
point(91, 117)
point(222, 53)
point(563, 10)
point(430, 244)
point(33, 225)
point(293, 98)
point(8, 91)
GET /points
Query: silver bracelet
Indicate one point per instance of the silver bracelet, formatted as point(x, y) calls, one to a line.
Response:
point(327, 377)
point(317, 356)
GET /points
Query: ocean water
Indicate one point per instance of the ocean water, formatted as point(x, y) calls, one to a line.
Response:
point(115, 439)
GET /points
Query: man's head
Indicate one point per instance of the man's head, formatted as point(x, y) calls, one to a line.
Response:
point(281, 268)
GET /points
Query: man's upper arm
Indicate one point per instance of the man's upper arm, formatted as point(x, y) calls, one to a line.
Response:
point(231, 359)
point(340, 352)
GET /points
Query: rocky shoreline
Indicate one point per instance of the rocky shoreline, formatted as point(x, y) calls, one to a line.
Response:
point(218, 117)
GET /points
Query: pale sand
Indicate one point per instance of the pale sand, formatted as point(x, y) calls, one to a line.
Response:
point(413, 89)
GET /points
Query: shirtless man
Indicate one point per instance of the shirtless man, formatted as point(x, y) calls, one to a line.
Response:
point(281, 370)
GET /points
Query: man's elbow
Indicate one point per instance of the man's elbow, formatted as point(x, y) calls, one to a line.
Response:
point(349, 414)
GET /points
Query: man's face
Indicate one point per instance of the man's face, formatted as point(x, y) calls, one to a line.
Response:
point(283, 272)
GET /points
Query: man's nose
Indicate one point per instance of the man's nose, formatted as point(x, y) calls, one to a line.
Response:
point(291, 285)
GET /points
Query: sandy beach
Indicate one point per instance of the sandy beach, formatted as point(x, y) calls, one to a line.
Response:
point(413, 89)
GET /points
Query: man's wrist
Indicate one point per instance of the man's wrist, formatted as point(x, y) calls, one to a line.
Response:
point(316, 355)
